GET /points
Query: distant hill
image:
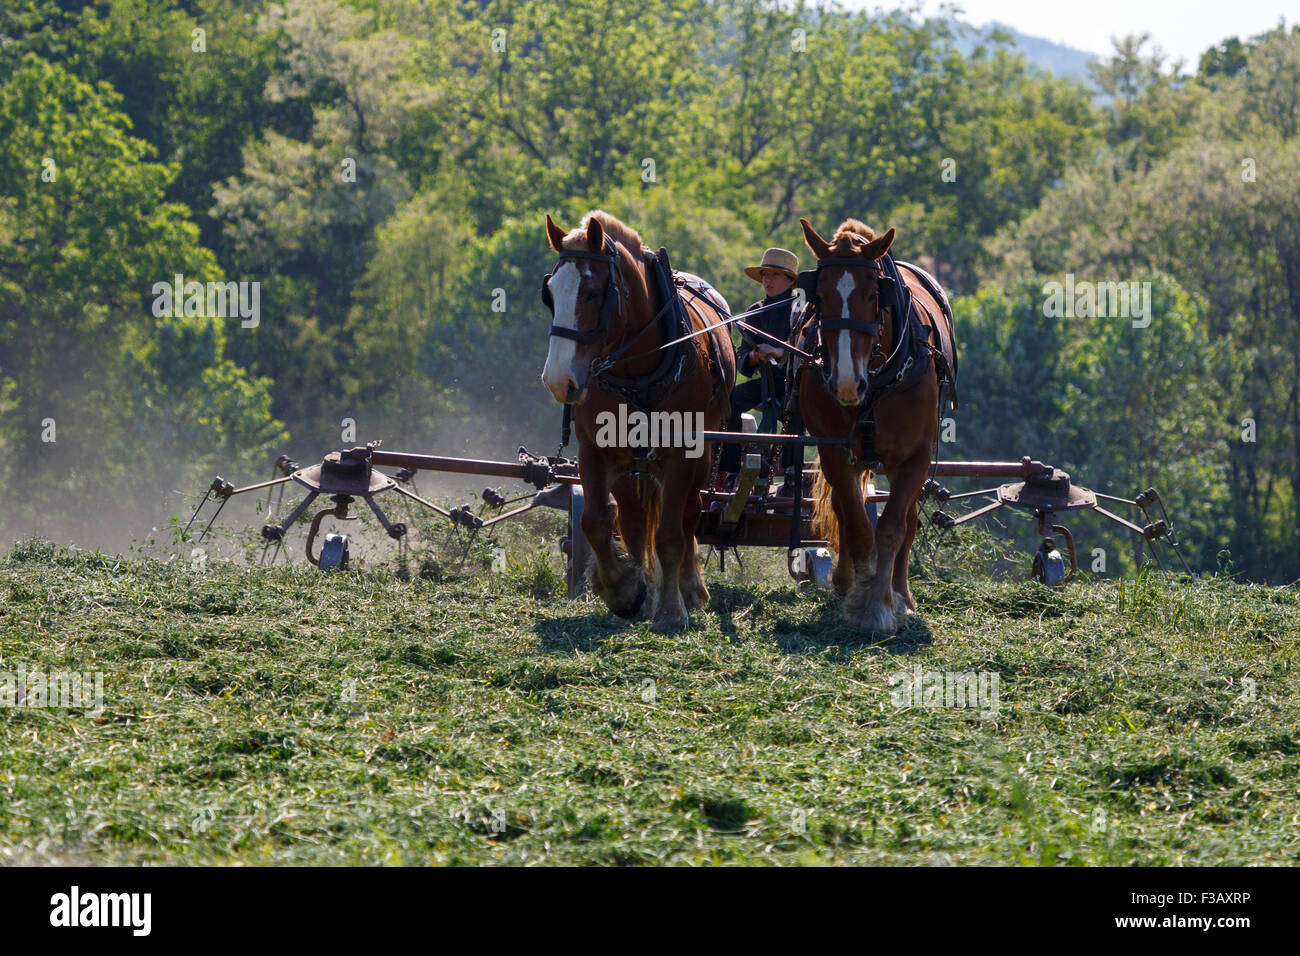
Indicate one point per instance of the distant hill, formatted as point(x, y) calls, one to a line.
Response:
point(1053, 57)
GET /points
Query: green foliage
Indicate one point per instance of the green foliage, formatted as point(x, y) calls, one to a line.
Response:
point(1212, 208)
point(382, 167)
point(1103, 400)
point(85, 232)
point(1010, 379)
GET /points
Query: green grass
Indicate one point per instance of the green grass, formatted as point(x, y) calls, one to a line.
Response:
point(282, 716)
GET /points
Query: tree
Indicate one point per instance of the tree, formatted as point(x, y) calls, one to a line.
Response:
point(85, 233)
point(1214, 210)
point(301, 215)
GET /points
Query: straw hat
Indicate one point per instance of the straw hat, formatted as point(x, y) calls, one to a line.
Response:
point(775, 260)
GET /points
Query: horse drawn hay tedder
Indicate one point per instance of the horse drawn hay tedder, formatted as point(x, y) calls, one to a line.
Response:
point(751, 515)
point(870, 360)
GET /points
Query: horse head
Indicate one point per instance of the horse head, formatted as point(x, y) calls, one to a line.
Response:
point(586, 294)
point(852, 313)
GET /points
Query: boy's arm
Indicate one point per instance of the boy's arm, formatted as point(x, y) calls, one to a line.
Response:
point(746, 349)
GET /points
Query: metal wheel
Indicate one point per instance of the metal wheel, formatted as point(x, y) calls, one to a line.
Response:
point(813, 565)
point(334, 553)
point(576, 547)
point(1049, 565)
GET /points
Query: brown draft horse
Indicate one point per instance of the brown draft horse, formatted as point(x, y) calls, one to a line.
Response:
point(605, 310)
point(857, 336)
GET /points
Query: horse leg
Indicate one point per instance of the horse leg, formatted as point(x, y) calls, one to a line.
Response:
point(902, 590)
point(882, 613)
point(843, 575)
point(618, 580)
point(853, 568)
point(835, 475)
point(670, 546)
point(695, 595)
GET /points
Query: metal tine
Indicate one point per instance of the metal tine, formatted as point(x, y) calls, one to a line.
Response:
point(206, 496)
point(279, 546)
point(214, 518)
point(1156, 554)
point(1172, 536)
point(269, 490)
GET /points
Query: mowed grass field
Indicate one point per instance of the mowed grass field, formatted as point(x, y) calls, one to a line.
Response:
point(269, 716)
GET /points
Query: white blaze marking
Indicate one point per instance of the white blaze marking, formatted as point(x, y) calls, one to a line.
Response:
point(846, 372)
point(559, 357)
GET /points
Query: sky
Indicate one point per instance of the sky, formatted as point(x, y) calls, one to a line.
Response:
point(1182, 28)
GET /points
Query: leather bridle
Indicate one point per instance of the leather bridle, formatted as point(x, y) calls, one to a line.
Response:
point(846, 322)
point(611, 303)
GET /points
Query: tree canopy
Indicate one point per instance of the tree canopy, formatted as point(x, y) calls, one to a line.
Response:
point(380, 170)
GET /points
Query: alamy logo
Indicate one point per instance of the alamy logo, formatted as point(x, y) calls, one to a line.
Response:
point(103, 909)
point(73, 691)
point(1102, 300)
point(946, 689)
point(221, 300)
point(637, 429)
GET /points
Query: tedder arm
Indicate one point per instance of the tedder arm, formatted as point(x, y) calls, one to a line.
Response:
point(747, 515)
point(1045, 491)
point(345, 476)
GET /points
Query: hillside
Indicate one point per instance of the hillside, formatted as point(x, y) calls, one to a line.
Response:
point(1064, 61)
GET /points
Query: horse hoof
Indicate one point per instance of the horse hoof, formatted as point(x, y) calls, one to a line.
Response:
point(855, 604)
point(878, 617)
point(904, 604)
point(695, 599)
point(671, 624)
point(629, 611)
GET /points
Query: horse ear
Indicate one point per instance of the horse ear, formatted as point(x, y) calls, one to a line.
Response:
point(819, 246)
point(878, 246)
point(595, 235)
point(554, 234)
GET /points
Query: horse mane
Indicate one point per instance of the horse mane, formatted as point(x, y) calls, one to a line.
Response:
point(851, 227)
point(616, 229)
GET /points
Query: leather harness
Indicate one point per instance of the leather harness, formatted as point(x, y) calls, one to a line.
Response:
point(678, 353)
point(908, 361)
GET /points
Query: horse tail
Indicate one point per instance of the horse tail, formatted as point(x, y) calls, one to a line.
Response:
point(651, 506)
point(647, 492)
point(824, 523)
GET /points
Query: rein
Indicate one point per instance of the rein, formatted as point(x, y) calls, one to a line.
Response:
point(738, 318)
point(612, 303)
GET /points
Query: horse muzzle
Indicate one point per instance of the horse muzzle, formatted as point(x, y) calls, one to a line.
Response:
point(564, 388)
point(854, 397)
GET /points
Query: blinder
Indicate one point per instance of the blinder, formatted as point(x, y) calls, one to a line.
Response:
point(807, 283)
point(608, 304)
point(547, 299)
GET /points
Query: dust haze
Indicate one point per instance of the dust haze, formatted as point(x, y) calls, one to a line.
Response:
point(130, 499)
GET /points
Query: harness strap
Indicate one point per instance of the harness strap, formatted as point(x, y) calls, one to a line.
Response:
point(644, 390)
point(738, 318)
point(615, 357)
point(730, 318)
point(613, 292)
